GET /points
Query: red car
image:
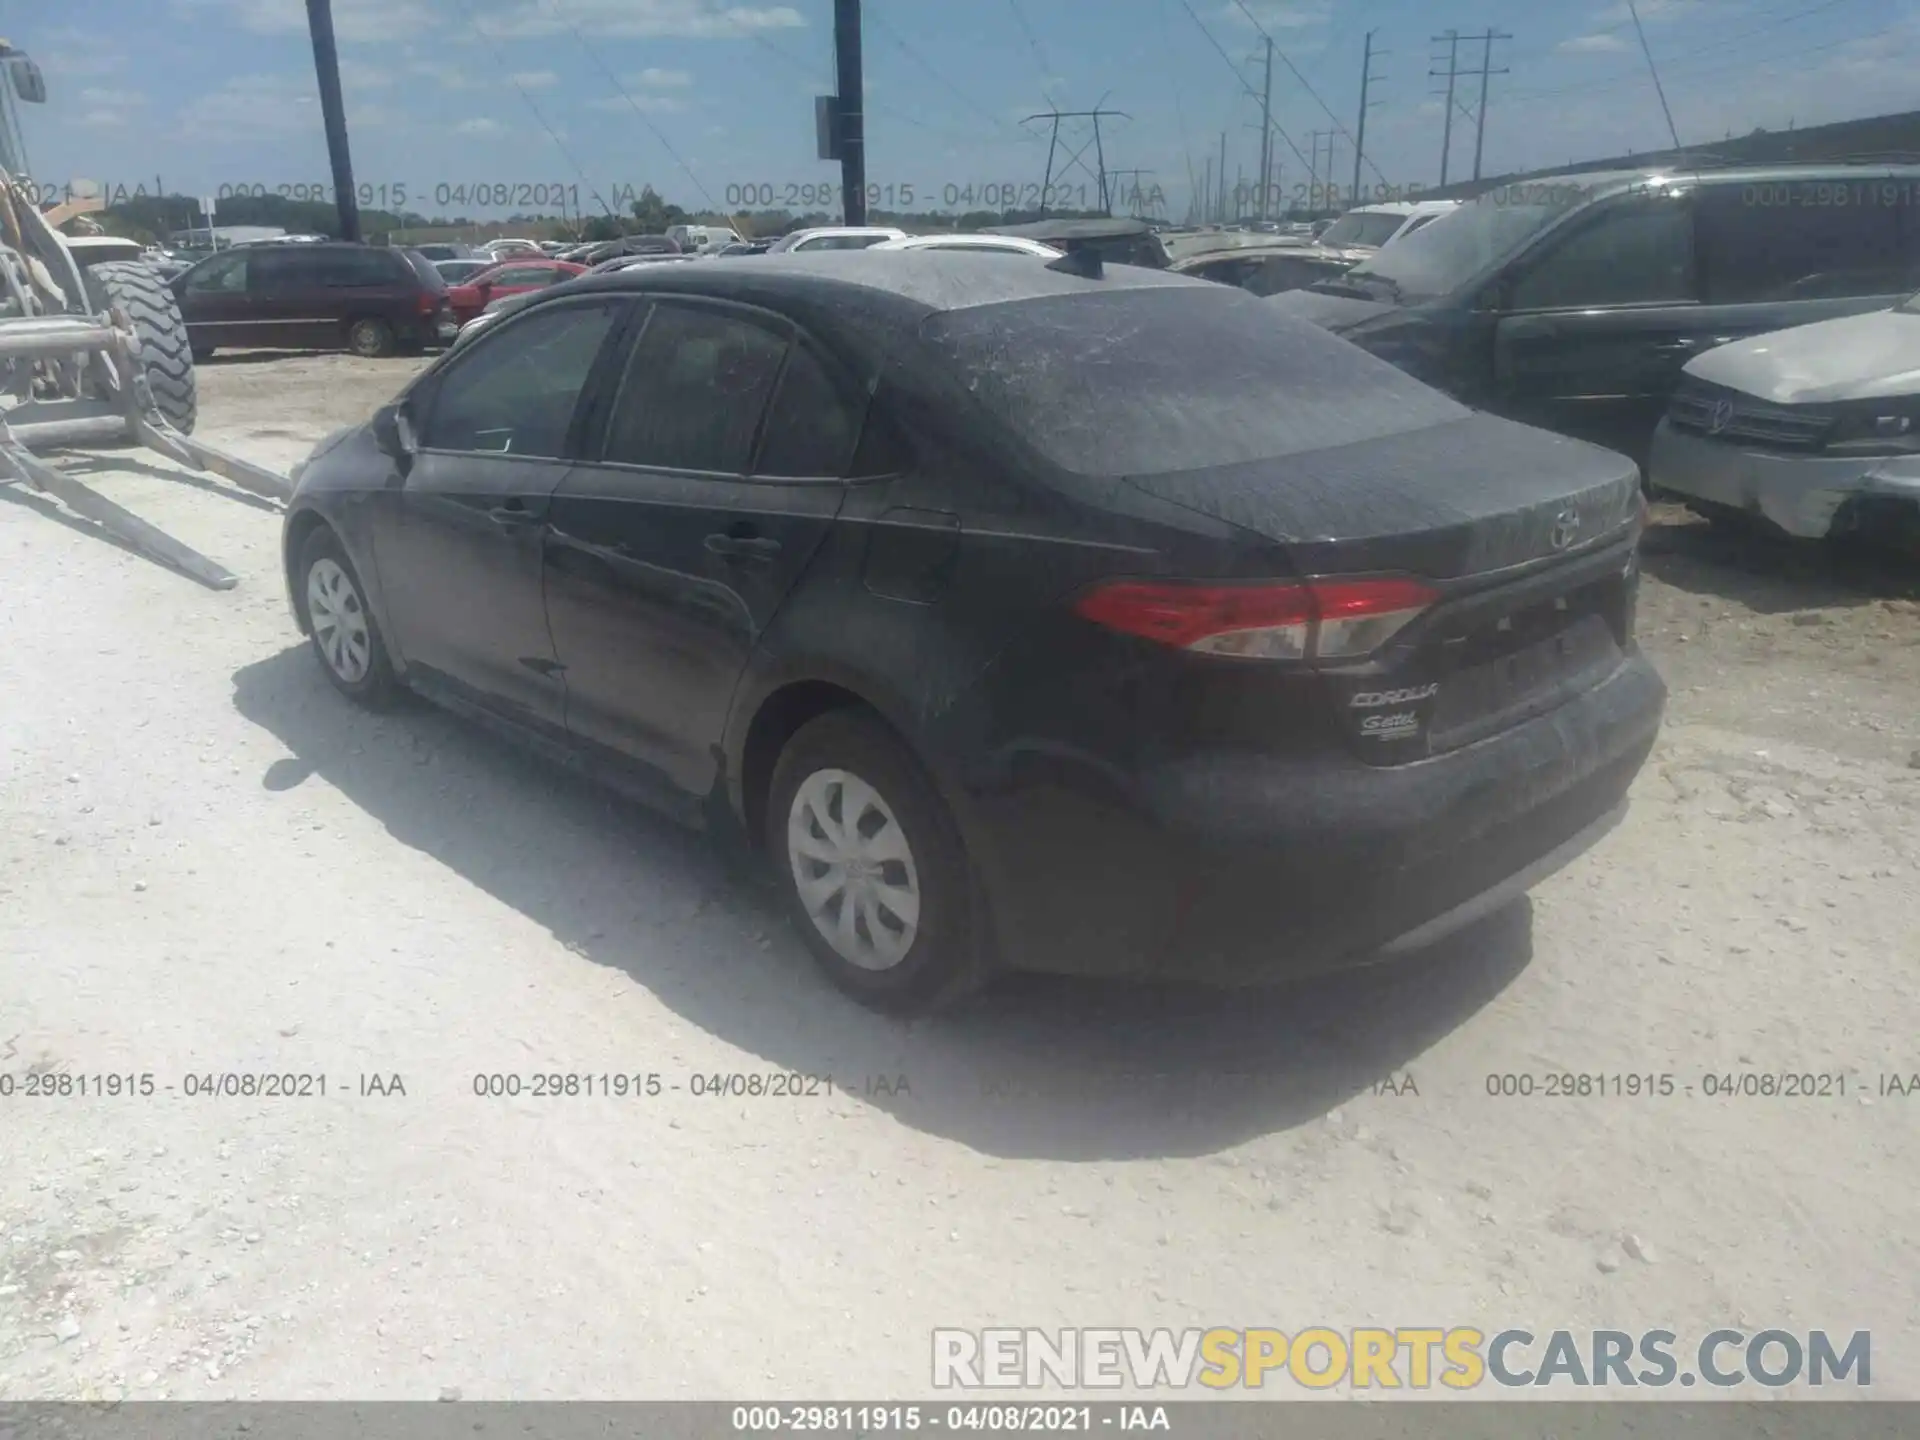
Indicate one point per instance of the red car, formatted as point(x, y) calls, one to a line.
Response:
point(509, 277)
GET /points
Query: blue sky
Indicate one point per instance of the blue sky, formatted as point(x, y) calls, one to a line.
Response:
point(701, 98)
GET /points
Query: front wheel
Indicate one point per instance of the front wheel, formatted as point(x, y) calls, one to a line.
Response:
point(872, 865)
point(345, 636)
point(370, 339)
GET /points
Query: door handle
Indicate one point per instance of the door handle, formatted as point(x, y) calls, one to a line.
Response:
point(512, 515)
point(743, 547)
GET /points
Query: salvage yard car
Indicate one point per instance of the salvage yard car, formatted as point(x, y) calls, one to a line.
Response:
point(369, 299)
point(1814, 430)
point(1225, 654)
point(1574, 302)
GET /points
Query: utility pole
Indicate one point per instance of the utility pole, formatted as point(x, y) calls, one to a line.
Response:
point(1360, 134)
point(333, 115)
point(1206, 193)
point(850, 111)
point(1223, 178)
point(1266, 129)
point(1486, 69)
point(1320, 193)
point(1452, 37)
point(1138, 193)
point(1077, 158)
point(1452, 73)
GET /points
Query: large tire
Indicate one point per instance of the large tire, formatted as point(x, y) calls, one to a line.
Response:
point(139, 290)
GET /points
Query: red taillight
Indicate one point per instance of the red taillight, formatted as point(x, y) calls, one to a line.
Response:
point(1320, 619)
point(429, 304)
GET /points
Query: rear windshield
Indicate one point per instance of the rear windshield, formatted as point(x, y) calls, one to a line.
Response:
point(1363, 228)
point(1153, 381)
point(423, 267)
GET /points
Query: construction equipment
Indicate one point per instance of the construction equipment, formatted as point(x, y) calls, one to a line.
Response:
point(93, 354)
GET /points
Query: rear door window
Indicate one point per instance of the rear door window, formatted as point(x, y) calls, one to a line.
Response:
point(226, 275)
point(811, 429)
point(1807, 240)
point(1634, 252)
point(358, 269)
point(277, 269)
point(695, 388)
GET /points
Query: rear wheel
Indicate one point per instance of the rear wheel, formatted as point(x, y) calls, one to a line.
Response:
point(345, 636)
point(872, 865)
point(138, 290)
point(371, 339)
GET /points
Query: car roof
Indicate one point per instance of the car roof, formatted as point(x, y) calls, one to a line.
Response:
point(1607, 182)
point(929, 280)
point(1074, 229)
point(1405, 207)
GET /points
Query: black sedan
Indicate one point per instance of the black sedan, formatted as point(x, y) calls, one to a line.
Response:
point(1023, 616)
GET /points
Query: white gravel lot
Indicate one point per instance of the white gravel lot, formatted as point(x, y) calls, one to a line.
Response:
point(210, 863)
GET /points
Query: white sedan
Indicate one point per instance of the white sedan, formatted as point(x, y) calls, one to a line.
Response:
point(1000, 244)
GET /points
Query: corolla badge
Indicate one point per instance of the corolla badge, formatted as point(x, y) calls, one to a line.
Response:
point(1566, 528)
point(1719, 416)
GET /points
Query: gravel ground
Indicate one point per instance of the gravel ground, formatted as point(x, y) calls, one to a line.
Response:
point(209, 863)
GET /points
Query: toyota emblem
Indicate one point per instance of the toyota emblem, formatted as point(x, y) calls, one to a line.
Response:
point(1720, 416)
point(1566, 529)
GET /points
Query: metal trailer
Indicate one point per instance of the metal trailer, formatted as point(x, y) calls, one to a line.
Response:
point(93, 354)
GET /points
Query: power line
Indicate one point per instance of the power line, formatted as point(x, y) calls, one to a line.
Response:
point(1305, 84)
point(552, 135)
point(899, 42)
point(634, 105)
point(1033, 43)
point(1201, 25)
point(1453, 73)
point(1721, 43)
point(1653, 70)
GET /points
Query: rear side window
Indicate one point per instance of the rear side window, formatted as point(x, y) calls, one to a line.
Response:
point(1807, 240)
point(423, 268)
point(278, 268)
point(1639, 251)
point(359, 268)
point(1152, 381)
point(810, 429)
point(696, 386)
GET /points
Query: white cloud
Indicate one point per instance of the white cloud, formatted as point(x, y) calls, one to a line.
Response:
point(1599, 44)
point(535, 79)
point(663, 79)
point(1267, 15)
point(246, 106)
point(81, 62)
point(449, 77)
point(479, 125)
point(355, 22)
point(637, 19)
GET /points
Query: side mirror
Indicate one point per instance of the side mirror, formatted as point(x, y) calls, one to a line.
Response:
point(393, 433)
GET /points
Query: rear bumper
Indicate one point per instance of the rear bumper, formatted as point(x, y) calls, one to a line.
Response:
point(1802, 494)
point(1245, 869)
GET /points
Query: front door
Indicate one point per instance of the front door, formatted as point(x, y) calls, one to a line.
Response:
point(459, 547)
point(1595, 329)
point(719, 476)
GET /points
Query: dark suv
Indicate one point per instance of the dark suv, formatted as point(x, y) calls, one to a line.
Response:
point(1574, 302)
point(369, 299)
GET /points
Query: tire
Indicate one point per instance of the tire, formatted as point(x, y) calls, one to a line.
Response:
point(330, 591)
point(370, 339)
point(891, 960)
point(148, 301)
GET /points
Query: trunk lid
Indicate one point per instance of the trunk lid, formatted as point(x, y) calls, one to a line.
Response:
point(1470, 497)
point(1528, 537)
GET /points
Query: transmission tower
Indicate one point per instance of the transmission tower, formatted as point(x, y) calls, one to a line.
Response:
point(1133, 198)
point(1453, 40)
point(1077, 160)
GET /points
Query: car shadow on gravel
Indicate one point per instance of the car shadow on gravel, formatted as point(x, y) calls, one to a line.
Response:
point(1035, 1067)
point(1772, 574)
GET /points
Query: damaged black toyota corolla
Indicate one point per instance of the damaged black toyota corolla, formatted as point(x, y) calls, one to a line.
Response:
point(1023, 617)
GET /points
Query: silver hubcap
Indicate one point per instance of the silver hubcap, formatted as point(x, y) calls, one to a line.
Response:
point(339, 621)
point(854, 869)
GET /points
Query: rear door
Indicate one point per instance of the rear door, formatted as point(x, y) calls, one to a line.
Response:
point(1596, 324)
point(720, 470)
